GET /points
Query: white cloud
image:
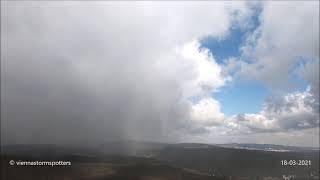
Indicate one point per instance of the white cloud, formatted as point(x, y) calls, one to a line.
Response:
point(207, 112)
point(293, 111)
point(287, 32)
point(207, 78)
point(310, 72)
point(207, 73)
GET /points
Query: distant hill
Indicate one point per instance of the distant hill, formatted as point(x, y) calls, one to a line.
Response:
point(268, 147)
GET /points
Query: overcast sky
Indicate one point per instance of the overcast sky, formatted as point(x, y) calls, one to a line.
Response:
point(212, 72)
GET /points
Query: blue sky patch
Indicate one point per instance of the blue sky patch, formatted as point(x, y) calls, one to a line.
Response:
point(229, 46)
point(241, 97)
point(224, 48)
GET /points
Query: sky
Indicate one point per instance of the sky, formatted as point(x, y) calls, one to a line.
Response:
point(209, 72)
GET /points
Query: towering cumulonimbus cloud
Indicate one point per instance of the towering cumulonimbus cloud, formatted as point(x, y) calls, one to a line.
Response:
point(89, 72)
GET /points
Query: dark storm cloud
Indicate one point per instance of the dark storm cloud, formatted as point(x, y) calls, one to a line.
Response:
point(61, 82)
point(80, 72)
